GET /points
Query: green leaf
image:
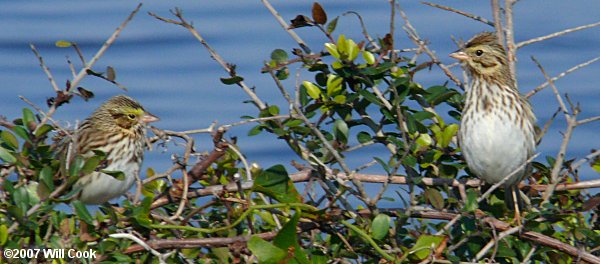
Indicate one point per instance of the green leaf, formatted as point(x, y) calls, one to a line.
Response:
point(42, 130)
point(9, 139)
point(435, 198)
point(334, 84)
point(63, 44)
point(332, 25)
point(596, 165)
point(287, 240)
point(32, 193)
point(449, 132)
point(46, 177)
point(91, 164)
point(21, 198)
point(82, 212)
point(266, 252)
point(424, 140)
point(370, 97)
point(273, 110)
point(369, 57)
point(279, 56)
point(293, 123)
point(22, 133)
point(342, 47)
point(312, 90)
point(231, 80)
point(276, 183)
point(119, 175)
point(380, 226)
point(340, 129)
point(352, 50)
point(471, 203)
point(283, 73)
point(437, 94)
point(333, 50)
point(287, 237)
point(3, 234)
point(76, 166)
point(363, 137)
point(425, 246)
point(28, 118)
point(6, 156)
point(255, 130)
point(339, 99)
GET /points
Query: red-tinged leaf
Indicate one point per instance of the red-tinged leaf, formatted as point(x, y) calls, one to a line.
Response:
point(318, 14)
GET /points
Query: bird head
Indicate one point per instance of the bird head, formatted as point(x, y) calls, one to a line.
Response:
point(123, 112)
point(483, 56)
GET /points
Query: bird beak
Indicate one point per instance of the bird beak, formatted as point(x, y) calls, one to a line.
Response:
point(459, 55)
point(149, 118)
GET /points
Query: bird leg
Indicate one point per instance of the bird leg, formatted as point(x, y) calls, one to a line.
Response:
point(516, 204)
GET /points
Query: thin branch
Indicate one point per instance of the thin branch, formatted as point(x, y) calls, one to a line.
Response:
point(364, 29)
point(589, 157)
point(469, 15)
point(556, 34)
point(211, 242)
point(571, 124)
point(562, 74)
point(510, 39)
point(45, 68)
point(83, 72)
point(495, 241)
point(285, 26)
point(182, 22)
point(588, 120)
point(414, 36)
point(496, 12)
point(161, 257)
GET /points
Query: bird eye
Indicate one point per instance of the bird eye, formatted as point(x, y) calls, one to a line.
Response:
point(479, 52)
point(131, 116)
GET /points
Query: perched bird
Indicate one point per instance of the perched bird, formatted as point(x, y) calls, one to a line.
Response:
point(117, 128)
point(496, 133)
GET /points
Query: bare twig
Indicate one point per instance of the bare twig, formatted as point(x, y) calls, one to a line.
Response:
point(589, 157)
point(45, 68)
point(285, 26)
point(510, 39)
point(571, 124)
point(161, 257)
point(562, 74)
point(588, 120)
point(556, 34)
point(495, 241)
point(182, 22)
point(414, 36)
point(469, 15)
point(83, 72)
point(497, 13)
point(365, 33)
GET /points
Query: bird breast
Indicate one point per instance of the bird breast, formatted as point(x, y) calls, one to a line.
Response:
point(492, 140)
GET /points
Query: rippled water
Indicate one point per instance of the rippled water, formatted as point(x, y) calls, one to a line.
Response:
point(166, 69)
